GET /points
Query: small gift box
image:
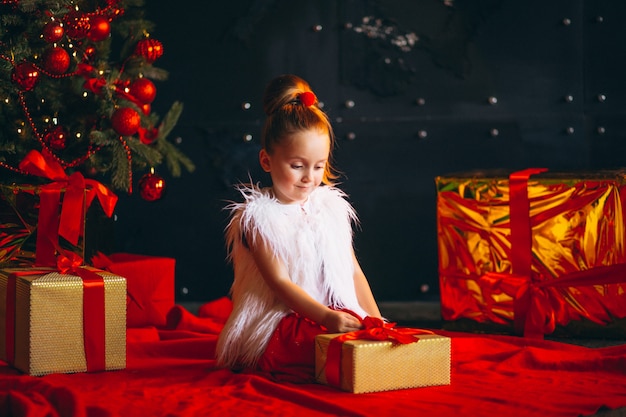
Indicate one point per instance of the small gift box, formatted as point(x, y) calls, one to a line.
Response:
point(52, 322)
point(150, 281)
point(364, 365)
point(533, 251)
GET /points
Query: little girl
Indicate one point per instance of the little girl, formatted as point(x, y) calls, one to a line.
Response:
point(296, 274)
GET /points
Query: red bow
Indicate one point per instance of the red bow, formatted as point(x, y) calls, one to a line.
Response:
point(79, 193)
point(68, 262)
point(374, 328)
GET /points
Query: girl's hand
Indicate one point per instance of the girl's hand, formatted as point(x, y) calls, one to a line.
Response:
point(341, 322)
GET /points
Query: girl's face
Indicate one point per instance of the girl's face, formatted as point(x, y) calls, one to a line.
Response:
point(297, 165)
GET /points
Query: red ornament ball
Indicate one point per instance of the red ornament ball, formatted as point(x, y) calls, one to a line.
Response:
point(53, 32)
point(126, 121)
point(56, 60)
point(100, 28)
point(77, 25)
point(25, 75)
point(150, 49)
point(143, 90)
point(56, 137)
point(151, 187)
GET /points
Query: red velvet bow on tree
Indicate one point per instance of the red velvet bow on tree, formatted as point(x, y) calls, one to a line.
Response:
point(79, 193)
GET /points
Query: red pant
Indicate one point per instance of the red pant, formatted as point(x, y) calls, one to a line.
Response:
point(290, 353)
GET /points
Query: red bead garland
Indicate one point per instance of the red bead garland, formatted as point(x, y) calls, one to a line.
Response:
point(129, 158)
point(76, 25)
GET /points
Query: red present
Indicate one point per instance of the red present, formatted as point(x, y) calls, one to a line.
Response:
point(533, 251)
point(150, 282)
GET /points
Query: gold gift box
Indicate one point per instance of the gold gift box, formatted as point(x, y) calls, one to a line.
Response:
point(49, 336)
point(371, 366)
point(577, 222)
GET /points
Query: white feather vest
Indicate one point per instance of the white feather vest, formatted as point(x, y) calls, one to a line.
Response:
point(315, 243)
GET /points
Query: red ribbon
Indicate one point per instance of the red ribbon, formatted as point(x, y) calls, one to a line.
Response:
point(521, 230)
point(94, 323)
point(79, 194)
point(374, 329)
point(533, 299)
point(533, 315)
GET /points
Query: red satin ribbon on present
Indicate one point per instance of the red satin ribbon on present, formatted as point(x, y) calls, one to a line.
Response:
point(533, 315)
point(94, 333)
point(519, 213)
point(79, 194)
point(533, 298)
point(374, 329)
point(521, 230)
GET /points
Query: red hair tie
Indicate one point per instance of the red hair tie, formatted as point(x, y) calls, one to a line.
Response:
point(307, 98)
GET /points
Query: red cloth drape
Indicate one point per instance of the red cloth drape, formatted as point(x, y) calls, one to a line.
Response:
point(171, 372)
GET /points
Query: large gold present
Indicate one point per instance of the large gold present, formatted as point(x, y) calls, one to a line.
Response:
point(384, 365)
point(52, 322)
point(533, 251)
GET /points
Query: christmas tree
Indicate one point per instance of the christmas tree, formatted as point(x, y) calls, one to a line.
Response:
point(77, 85)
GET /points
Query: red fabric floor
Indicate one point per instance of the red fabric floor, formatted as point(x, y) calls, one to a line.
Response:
point(172, 373)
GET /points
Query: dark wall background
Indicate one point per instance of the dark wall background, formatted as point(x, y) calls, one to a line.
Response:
point(416, 89)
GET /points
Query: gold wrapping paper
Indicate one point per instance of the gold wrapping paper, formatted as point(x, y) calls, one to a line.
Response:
point(371, 366)
point(49, 336)
point(577, 225)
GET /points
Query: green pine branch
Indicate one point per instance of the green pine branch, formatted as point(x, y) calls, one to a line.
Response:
point(67, 101)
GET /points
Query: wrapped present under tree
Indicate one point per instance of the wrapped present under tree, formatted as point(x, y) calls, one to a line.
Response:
point(382, 357)
point(150, 285)
point(62, 320)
